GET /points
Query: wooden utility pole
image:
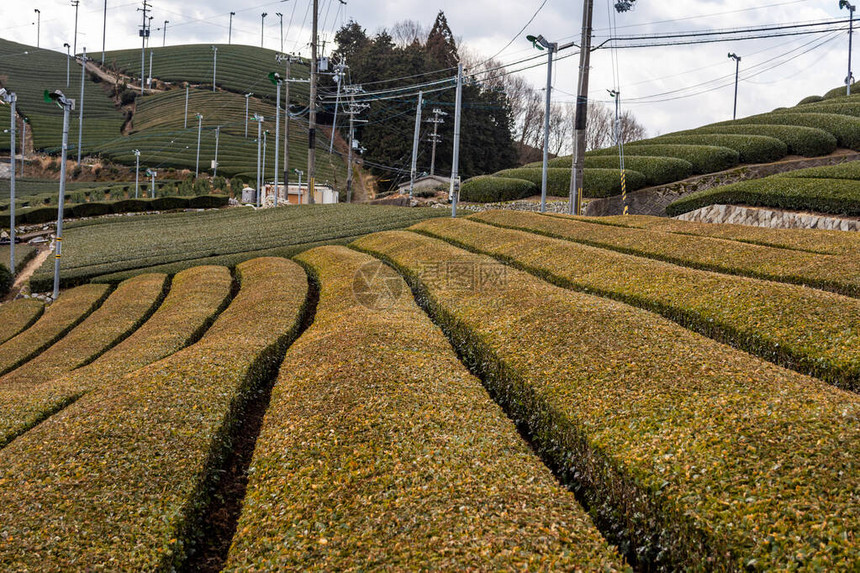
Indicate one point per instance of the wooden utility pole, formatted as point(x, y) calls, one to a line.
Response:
point(575, 205)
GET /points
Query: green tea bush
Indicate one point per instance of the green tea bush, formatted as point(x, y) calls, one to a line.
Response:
point(836, 196)
point(751, 148)
point(804, 141)
point(489, 189)
point(850, 170)
point(844, 128)
point(810, 99)
point(657, 170)
point(597, 182)
point(6, 280)
point(89, 210)
point(208, 202)
point(841, 107)
point(840, 91)
point(703, 158)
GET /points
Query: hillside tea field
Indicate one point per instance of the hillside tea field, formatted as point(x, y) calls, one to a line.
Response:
point(502, 391)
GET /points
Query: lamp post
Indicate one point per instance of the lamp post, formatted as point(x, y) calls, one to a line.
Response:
point(152, 175)
point(67, 105)
point(230, 29)
point(197, 162)
point(11, 98)
point(214, 65)
point(75, 4)
point(299, 172)
point(81, 106)
point(215, 161)
point(136, 172)
point(164, 34)
point(737, 60)
point(541, 43)
point(281, 18)
point(263, 27)
point(38, 25)
point(850, 7)
point(247, 95)
point(104, 33)
point(24, 123)
point(68, 58)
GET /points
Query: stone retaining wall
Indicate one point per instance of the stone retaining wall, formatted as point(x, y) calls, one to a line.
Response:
point(762, 217)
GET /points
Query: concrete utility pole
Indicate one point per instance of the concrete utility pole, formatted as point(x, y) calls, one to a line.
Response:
point(259, 119)
point(149, 75)
point(136, 172)
point(353, 144)
point(338, 78)
point(215, 161)
point(263, 28)
point(277, 79)
point(144, 34)
point(281, 18)
point(575, 204)
point(185, 123)
point(67, 105)
point(619, 141)
point(287, 59)
point(454, 191)
point(12, 99)
point(435, 138)
point(38, 25)
point(104, 33)
point(415, 137)
point(81, 106)
point(230, 32)
point(164, 33)
point(68, 47)
point(851, 7)
point(24, 123)
point(75, 4)
point(197, 161)
point(247, 95)
point(737, 60)
point(263, 170)
point(312, 114)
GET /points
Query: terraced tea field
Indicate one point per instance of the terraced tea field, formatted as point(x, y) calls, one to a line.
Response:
point(503, 391)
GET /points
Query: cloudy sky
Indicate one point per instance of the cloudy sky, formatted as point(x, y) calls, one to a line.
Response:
point(667, 88)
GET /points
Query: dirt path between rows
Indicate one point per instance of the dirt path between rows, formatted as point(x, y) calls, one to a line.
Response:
point(28, 271)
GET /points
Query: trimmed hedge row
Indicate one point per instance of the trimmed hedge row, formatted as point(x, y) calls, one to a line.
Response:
point(844, 107)
point(810, 240)
point(703, 158)
point(18, 315)
point(810, 99)
point(657, 170)
point(597, 182)
point(490, 189)
point(808, 330)
point(693, 454)
point(128, 306)
point(6, 280)
point(387, 384)
point(840, 91)
point(750, 148)
point(845, 129)
point(804, 141)
point(849, 170)
point(831, 196)
point(196, 297)
point(64, 314)
point(38, 215)
point(140, 506)
point(835, 273)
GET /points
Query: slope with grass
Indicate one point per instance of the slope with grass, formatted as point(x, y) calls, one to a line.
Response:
point(18, 315)
point(182, 240)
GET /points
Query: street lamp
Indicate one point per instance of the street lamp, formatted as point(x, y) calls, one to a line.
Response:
point(737, 60)
point(263, 27)
point(247, 95)
point(68, 58)
point(67, 105)
point(197, 162)
point(541, 43)
point(846, 4)
point(38, 25)
point(281, 18)
point(136, 171)
point(214, 65)
point(230, 29)
point(11, 98)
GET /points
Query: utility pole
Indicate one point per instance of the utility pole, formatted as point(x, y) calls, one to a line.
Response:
point(287, 59)
point(24, 123)
point(619, 141)
point(197, 162)
point(281, 18)
point(851, 7)
point(276, 78)
point(230, 32)
point(415, 137)
point(104, 33)
point(38, 25)
point(136, 172)
point(149, 76)
point(67, 105)
point(68, 59)
point(263, 170)
point(185, 123)
point(259, 119)
point(152, 175)
point(353, 144)
point(144, 34)
point(215, 162)
point(454, 191)
point(75, 4)
point(338, 78)
point(312, 114)
point(575, 204)
point(737, 60)
point(214, 65)
point(435, 138)
point(164, 33)
point(263, 28)
point(247, 95)
point(12, 99)
point(81, 106)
